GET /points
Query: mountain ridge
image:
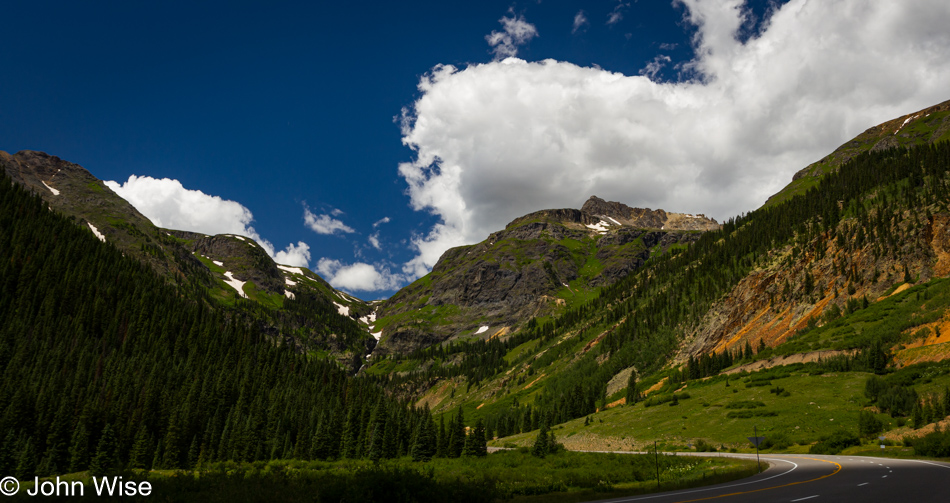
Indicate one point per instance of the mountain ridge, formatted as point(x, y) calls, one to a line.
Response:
point(230, 272)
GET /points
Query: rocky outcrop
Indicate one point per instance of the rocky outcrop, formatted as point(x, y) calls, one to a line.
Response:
point(762, 308)
point(645, 218)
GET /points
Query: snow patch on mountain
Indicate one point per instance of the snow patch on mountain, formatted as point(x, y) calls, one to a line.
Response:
point(481, 329)
point(289, 282)
point(369, 319)
point(235, 283)
point(601, 227)
point(340, 308)
point(96, 231)
point(218, 263)
point(289, 294)
point(294, 270)
point(51, 189)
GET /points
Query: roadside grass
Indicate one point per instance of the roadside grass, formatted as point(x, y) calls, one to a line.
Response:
point(814, 406)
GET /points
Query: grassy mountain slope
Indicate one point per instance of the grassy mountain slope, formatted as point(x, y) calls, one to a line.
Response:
point(231, 273)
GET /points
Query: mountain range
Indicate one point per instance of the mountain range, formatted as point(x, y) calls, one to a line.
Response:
point(562, 315)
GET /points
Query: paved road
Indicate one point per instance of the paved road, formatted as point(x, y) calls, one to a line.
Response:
point(815, 479)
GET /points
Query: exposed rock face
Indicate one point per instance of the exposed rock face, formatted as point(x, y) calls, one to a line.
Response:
point(758, 308)
point(647, 218)
point(520, 272)
point(243, 258)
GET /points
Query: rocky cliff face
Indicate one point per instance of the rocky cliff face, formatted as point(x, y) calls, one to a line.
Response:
point(647, 218)
point(772, 304)
point(541, 263)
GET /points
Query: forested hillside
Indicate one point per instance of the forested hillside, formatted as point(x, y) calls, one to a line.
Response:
point(105, 365)
point(230, 273)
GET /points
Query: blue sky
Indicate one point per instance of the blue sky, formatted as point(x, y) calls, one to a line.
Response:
point(401, 131)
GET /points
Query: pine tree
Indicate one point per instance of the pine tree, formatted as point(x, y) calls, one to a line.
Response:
point(172, 455)
point(26, 461)
point(79, 449)
point(375, 451)
point(424, 444)
point(633, 390)
point(8, 451)
point(456, 436)
point(105, 461)
point(542, 443)
point(140, 455)
point(478, 440)
point(442, 442)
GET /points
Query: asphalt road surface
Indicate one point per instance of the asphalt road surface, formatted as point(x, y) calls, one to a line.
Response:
point(815, 479)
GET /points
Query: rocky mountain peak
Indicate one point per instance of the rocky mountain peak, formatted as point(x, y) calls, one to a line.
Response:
point(646, 218)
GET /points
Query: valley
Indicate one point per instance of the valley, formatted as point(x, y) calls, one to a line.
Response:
point(819, 321)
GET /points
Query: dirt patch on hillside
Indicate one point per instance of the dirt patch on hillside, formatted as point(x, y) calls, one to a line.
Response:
point(896, 291)
point(788, 360)
point(900, 433)
point(656, 386)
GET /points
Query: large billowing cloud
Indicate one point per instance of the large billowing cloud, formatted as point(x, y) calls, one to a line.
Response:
point(170, 205)
point(494, 141)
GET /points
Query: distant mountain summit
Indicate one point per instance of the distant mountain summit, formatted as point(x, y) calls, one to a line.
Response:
point(541, 264)
point(646, 218)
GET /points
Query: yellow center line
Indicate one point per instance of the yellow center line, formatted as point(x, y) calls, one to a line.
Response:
point(838, 469)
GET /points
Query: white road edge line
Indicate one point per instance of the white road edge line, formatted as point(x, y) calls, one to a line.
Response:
point(713, 488)
point(806, 498)
point(864, 484)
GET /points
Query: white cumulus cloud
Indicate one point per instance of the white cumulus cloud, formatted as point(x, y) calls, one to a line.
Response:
point(515, 32)
point(358, 276)
point(325, 224)
point(167, 203)
point(494, 141)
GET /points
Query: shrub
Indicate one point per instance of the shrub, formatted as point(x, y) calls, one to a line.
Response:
point(868, 424)
point(835, 443)
point(745, 404)
point(776, 440)
point(936, 444)
point(703, 446)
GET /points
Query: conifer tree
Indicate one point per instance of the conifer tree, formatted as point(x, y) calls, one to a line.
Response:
point(26, 461)
point(442, 442)
point(140, 455)
point(424, 444)
point(542, 443)
point(79, 449)
point(633, 390)
point(105, 461)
